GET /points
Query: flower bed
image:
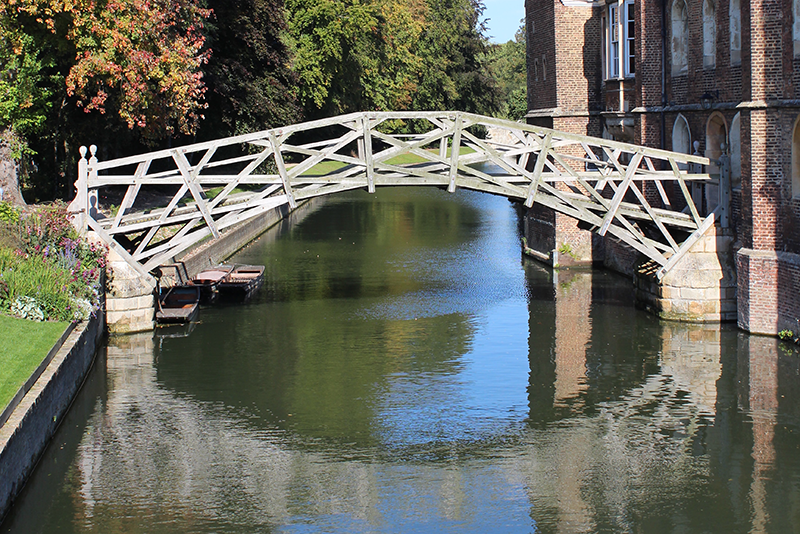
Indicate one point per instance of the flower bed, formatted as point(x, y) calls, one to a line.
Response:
point(47, 271)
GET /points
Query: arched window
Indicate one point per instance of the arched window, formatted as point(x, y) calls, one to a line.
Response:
point(681, 137)
point(716, 134)
point(736, 152)
point(735, 24)
point(544, 67)
point(536, 70)
point(680, 37)
point(796, 26)
point(796, 160)
point(709, 34)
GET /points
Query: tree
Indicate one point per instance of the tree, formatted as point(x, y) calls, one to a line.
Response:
point(130, 65)
point(353, 55)
point(329, 42)
point(454, 46)
point(144, 57)
point(24, 101)
point(250, 83)
point(508, 65)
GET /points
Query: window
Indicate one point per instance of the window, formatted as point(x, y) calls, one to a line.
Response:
point(796, 160)
point(544, 67)
point(630, 38)
point(735, 19)
point(681, 138)
point(619, 30)
point(796, 26)
point(736, 152)
point(536, 70)
point(680, 37)
point(709, 34)
point(716, 135)
point(613, 49)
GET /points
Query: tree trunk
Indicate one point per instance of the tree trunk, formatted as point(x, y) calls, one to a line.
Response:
point(9, 172)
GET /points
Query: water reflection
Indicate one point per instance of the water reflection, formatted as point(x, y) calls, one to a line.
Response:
point(418, 376)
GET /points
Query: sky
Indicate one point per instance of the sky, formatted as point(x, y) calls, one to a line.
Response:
point(505, 16)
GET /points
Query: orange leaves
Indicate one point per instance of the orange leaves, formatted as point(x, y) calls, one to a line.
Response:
point(149, 53)
point(138, 58)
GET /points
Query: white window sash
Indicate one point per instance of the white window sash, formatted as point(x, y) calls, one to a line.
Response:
point(620, 45)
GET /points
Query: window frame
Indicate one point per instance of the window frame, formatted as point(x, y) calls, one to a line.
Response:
point(619, 40)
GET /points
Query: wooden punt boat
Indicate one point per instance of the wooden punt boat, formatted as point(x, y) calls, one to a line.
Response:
point(178, 304)
point(208, 281)
point(242, 281)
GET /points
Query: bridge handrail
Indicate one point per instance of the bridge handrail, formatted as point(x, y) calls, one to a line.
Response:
point(538, 164)
point(386, 115)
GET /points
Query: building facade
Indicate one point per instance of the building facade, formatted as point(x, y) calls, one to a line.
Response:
point(707, 76)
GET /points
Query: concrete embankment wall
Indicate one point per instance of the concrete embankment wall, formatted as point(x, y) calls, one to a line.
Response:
point(32, 424)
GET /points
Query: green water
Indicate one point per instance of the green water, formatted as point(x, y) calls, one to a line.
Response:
point(404, 369)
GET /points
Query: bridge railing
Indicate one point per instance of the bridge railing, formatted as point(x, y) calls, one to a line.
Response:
point(171, 199)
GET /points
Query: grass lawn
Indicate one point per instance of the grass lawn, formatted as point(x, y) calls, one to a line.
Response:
point(23, 346)
point(328, 167)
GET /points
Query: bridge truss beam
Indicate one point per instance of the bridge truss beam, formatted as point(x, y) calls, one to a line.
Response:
point(637, 194)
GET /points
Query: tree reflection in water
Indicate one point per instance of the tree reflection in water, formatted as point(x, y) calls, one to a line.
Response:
point(423, 378)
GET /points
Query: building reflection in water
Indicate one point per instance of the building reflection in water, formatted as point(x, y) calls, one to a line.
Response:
point(635, 425)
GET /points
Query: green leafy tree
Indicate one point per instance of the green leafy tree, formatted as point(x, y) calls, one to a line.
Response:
point(250, 83)
point(24, 99)
point(330, 40)
point(353, 55)
point(454, 46)
point(508, 66)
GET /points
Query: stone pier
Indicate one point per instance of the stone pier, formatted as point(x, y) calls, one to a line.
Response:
point(701, 288)
point(130, 300)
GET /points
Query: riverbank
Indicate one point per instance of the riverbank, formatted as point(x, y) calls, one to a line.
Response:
point(37, 414)
point(35, 419)
point(19, 360)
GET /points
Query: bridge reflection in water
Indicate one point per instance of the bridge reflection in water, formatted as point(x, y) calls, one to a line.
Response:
point(610, 444)
point(628, 423)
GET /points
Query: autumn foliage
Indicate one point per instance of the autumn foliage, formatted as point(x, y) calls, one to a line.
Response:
point(145, 56)
point(128, 75)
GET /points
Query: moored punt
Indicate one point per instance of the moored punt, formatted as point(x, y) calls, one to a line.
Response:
point(208, 281)
point(178, 304)
point(242, 281)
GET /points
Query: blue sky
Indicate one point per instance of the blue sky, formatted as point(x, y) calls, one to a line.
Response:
point(504, 18)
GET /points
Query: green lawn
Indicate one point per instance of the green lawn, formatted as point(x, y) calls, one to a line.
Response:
point(329, 167)
point(23, 346)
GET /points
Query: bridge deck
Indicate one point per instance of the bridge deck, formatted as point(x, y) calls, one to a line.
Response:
point(638, 194)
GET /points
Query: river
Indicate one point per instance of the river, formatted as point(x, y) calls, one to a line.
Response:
point(405, 369)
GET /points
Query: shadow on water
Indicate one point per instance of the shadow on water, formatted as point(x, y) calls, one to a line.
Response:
point(407, 371)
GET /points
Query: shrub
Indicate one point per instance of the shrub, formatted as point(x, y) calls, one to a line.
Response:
point(27, 308)
point(53, 271)
point(8, 213)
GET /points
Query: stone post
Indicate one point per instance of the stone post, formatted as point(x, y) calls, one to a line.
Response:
point(130, 301)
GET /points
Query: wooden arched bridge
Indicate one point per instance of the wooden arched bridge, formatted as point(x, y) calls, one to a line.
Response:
point(638, 194)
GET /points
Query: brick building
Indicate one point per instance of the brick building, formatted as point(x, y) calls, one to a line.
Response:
point(711, 75)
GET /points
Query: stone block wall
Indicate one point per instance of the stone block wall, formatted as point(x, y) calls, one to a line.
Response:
point(130, 301)
point(700, 288)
